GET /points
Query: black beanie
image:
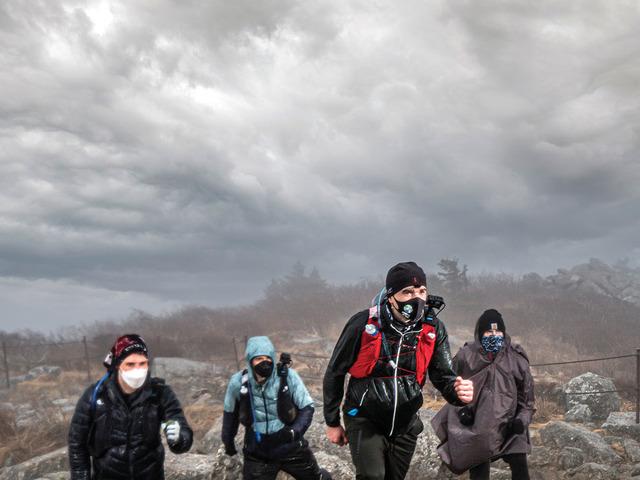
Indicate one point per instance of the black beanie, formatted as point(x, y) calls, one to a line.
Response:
point(403, 275)
point(123, 347)
point(488, 320)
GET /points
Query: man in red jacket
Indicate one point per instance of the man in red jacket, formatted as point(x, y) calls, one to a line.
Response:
point(389, 350)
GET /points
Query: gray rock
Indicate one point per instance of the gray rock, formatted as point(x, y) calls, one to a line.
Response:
point(172, 367)
point(38, 467)
point(601, 405)
point(622, 424)
point(225, 467)
point(188, 466)
point(49, 371)
point(42, 371)
point(617, 281)
point(540, 457)
point(632, 449)
point(426, 462)
point(570, 457)
point(561, 434)
point(336, 466)
point(579, 414)
point(593, 471)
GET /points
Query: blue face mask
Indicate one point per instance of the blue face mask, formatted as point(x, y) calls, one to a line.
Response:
point(492, 343)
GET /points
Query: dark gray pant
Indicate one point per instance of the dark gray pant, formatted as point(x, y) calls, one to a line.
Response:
point(377, 456)
point(517, 462)
point(300, 464)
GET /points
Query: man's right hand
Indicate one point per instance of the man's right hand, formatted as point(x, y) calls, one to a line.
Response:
point(337, 435)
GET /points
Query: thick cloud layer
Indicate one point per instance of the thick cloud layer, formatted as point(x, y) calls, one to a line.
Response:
point(167, 152)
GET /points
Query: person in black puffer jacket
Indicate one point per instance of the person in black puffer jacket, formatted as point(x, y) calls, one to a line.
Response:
point(115, 430)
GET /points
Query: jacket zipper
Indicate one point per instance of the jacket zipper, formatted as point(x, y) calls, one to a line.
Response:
point(362, 398)
point(266, 413)
point(395, 384)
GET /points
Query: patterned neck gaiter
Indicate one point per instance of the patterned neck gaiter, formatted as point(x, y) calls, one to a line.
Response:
point(492, 343)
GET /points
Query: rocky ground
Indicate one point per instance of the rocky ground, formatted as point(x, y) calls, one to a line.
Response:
point(593, 439)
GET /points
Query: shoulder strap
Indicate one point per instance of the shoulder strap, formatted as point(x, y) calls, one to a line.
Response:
point(96, 392)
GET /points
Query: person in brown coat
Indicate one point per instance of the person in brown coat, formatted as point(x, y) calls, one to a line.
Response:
point(495, 424)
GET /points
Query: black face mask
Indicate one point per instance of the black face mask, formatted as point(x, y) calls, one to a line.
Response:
point(264, 368)
point(411, 309)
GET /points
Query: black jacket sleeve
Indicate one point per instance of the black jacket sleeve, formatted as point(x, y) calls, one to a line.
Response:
point(441, 371)
point(79, 458)
point(173, 411)
point(230, 425)
point(302, 421)
point(343, 357)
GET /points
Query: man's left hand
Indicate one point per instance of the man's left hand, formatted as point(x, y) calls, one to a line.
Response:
point(464, 389)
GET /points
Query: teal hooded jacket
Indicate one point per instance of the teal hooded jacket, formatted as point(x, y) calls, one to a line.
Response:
point(265, 396)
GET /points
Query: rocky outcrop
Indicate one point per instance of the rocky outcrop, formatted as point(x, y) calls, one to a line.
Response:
point(581, 391)
point(188, 466)
point(579, 414)
point(562, 434)
point(622, 424)
point(619, 281)
point(193, 382)
point(39, 467)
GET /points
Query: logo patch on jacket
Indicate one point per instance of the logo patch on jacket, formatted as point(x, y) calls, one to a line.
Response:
point(371, 329)
point(431, 335)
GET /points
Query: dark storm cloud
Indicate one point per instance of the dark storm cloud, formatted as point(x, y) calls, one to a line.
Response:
point(168, 152)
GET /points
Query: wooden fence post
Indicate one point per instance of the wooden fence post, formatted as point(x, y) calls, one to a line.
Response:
point(235, 349)
point(86, 359)
point(6, 364)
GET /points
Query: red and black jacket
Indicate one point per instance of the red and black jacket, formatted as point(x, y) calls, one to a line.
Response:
point(377, 390)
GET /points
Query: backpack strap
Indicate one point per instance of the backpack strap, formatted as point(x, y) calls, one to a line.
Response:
point(287, 409)
point(95, 393)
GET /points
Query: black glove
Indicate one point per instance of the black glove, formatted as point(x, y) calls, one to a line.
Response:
point(230, 449)
point(466, 416)
point(515, 427)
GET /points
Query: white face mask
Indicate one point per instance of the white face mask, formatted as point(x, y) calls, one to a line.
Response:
point(134, 378)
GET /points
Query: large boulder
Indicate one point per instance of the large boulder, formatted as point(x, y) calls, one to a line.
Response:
point(38, 467)
point(579, 414)
point(426, 463)
point(581, 391)
point(622, 424)
point(561, 434)
point(593, 471)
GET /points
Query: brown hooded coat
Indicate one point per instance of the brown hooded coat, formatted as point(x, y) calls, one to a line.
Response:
point(503, 391)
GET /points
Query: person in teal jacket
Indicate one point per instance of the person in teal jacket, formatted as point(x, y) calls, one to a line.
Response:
point(276, 410)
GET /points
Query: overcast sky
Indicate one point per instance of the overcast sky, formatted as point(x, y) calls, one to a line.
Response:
point(160, 153)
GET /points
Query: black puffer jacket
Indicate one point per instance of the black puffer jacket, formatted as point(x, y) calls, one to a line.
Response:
point(374, 396)
point(123, 436)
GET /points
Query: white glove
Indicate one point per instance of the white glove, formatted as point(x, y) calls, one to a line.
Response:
point(171, 431)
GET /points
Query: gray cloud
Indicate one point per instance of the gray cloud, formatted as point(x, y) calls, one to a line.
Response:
point(187, 152)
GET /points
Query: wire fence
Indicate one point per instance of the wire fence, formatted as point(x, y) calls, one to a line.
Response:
point(84, 359)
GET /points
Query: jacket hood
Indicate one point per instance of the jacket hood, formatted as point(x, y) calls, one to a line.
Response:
point(257, 346)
